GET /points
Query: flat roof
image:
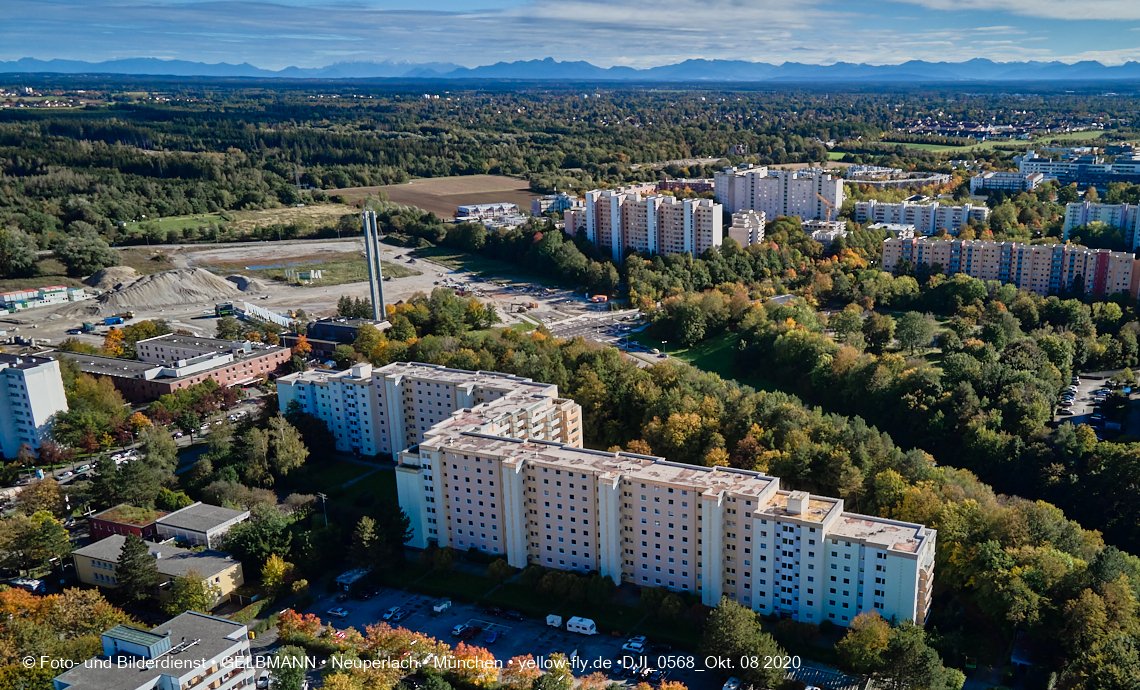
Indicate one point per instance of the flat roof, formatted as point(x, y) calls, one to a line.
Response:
point(129, 515)
point(22, 361)
point(172, 561)
point(110, 366)
point(428, 372)
point(193, 341)
point(881, 533)
point(201, 517)
point(127, 633)
point(211, 636)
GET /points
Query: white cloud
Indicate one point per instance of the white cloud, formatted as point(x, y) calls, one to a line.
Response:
point(633, 33)
point(1047, 9)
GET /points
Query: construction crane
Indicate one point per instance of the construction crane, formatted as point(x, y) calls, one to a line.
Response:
point(828, 204)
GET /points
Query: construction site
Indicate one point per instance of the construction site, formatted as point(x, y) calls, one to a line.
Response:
point(202, 277)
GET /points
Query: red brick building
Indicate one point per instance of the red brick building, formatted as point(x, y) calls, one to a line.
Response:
point(125, 519)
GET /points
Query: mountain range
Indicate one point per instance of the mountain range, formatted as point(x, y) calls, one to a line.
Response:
point(549, 69)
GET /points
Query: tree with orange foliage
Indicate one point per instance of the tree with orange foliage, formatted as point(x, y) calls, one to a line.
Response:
point(113, 343)
point(520, 672)
point(673, 685)
point(292, 624)
point(138, 422)
point(594, 681)
point(475, 665)
point(302, 348)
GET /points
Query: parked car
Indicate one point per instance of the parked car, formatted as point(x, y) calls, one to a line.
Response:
point(338, 612)
point(470, 632)
point(495, 634)
point(493, 611)
point(731, 684)
point(84, 468)
point(514, 616)
point(365, 595)
point(459, 629)
point(391, 612)
point(400, 615)
point(1064, 411)
point(635, 644)
point(67, 474)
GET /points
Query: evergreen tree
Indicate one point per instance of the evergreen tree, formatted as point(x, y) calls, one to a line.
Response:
point(137, 570)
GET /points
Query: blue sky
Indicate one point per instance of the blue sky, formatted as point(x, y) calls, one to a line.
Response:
point(640, 33)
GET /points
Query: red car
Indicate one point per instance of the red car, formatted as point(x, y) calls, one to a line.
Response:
point(470, 632)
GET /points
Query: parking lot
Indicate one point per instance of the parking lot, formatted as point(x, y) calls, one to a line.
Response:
point(589, 654)
point(1085, 404)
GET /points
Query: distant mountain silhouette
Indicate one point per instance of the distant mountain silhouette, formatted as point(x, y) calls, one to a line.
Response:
point(549, 69)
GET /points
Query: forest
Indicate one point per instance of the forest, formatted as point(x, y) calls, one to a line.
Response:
point(99, 174)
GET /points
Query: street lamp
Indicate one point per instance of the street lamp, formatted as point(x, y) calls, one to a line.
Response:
point(324, 508)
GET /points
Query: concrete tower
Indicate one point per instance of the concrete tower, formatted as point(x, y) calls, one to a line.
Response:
point(372, 255)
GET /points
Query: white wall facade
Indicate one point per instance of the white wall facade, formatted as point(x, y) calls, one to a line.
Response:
point(32, 395)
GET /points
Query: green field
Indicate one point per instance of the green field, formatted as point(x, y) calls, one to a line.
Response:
point(338, 269)
point(486, 268)
point(713, 355)
point(181, 222)
point(1072, 136)
point(835, 155)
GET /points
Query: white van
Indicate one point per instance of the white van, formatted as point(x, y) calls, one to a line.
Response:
point(582, 626)
point(554, 621)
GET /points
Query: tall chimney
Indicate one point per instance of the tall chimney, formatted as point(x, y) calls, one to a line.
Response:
point(372, 255)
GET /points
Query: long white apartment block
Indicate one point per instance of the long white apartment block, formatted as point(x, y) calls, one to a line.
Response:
point(643, 520)
point(385, 410)
point(31, 396)
point(1123, 216)
point(637, 218)
point(927, 217)
point(809, 194)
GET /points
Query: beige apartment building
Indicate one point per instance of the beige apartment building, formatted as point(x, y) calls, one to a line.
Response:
point(382, 411)
point(808, 194)
point(1041, 268)
point(473, 483)
point(637, 218)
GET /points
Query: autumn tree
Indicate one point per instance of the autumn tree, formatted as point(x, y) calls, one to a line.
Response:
point(275, 573)
point(862, 648)
point(191, 592)
point(520, 672)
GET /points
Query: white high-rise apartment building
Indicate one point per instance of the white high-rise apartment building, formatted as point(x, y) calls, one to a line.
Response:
point(31, 396)
point(636, 218)
point(780, 192)
point(747, 227)
point(644, 520)
point(1123, 216)
point(385, 410)
point(927, 217)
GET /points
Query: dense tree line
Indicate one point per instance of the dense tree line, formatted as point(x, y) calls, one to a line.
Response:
point(1044, 561)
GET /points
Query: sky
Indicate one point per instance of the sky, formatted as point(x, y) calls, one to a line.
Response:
point(275, 34)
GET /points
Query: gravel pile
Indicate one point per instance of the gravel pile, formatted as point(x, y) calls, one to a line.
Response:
point(111, 278)
point(248, 284)
point(170, 288)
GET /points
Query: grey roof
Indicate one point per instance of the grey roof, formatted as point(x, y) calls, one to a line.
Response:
point(110, 366)
point(215, 637)
point(201, 517)
point(172, 561)
point(22, 361)
point(135, 635)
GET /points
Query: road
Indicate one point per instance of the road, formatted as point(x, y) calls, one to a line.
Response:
point(610, 328)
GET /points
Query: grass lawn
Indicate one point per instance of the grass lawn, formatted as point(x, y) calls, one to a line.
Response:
point(325, 477)
point(1072, 136)
point(679, 632)
point(487, 268)
point(455, 584)
point(835, 155)
point(714, 355)
point(514, 596)
point(608, 617)
point(181, 222)
point(379, 486)
point(405, 575)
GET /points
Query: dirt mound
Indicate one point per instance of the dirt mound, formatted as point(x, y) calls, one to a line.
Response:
point(247, 284)
point(169, 288)
point(110, 278)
